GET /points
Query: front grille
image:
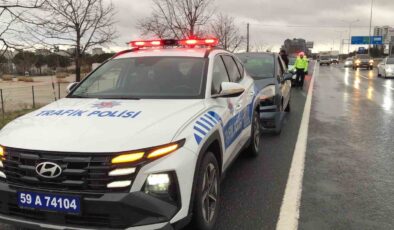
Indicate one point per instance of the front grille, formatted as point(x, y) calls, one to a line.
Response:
point(86, 173)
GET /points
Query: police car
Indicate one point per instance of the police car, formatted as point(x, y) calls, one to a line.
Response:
point(141, 143)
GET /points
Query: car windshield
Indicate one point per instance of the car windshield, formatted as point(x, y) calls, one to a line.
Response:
point(259, 65)
point(349, 59)
point(324, 58)
point(363, 56)
point(390, 61)
point(145, 77)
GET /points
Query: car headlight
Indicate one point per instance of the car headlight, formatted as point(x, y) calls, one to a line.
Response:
point(128, 163)
point(358, 61)
point(267, 97)
point(389, 70)
point(163, 186)
point(2, 174)
point(371, 62)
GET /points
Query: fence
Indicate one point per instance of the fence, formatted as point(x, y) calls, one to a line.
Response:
point(30, 97)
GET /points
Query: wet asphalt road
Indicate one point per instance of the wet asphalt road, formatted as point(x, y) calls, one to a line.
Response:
point(349, 177)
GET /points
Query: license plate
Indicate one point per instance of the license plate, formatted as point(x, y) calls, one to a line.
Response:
point(50, 202)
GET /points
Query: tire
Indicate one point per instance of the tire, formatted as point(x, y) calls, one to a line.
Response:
point(204, 201)
point(255, 140)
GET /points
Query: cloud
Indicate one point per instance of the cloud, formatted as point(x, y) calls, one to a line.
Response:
point(323, 22)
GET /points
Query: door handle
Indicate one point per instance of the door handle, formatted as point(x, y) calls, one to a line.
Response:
point(238, 107)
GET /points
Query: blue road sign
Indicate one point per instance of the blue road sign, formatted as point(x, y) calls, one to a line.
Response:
point(364, 40)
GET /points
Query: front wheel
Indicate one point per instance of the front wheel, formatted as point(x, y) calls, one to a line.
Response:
point(207, 198)
point(255, 139)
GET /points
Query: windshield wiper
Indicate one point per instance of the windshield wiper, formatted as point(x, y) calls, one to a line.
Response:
point(77, 96)
point(120, 98)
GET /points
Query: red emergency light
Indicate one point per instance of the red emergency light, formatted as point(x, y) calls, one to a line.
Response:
point(171, 42)
point(199, 42)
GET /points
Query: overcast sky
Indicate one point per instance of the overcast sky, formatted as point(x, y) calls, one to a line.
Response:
point(272, 21)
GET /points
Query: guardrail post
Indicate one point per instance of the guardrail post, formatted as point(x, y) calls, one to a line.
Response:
point(58, 88)
point(34, 101)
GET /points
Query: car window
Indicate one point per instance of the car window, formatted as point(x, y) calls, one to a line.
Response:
point(146, 77)
point(258, 65)
point(219, 75)
point(232, 68)
point(281, 70)
point(240, 67)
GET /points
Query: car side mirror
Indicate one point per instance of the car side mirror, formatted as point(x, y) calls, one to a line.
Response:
point(71, 86)
point(287, 77)
point(230, 89)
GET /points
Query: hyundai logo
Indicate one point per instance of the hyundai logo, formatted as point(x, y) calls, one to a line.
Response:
point(48, 170)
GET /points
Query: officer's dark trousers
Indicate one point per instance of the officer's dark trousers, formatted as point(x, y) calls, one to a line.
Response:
point(300, 77)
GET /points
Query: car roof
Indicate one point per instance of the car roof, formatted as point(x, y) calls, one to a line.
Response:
point(163, 52)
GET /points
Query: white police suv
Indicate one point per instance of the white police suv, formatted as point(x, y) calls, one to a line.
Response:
point(141, 143)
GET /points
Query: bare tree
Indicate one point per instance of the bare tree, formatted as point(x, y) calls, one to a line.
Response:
point(177, 18)
point(11, 13)
point(224, 28)
point(81, 24)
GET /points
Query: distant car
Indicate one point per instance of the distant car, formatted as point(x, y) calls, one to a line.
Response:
point(348, 62)
point(325, 60)
point(271, 76)
point(386, 68)
point(335, 60)
point(363, 61)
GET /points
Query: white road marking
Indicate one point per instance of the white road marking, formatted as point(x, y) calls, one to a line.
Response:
point(290, 208)
point(388, 87)
point(364, 77)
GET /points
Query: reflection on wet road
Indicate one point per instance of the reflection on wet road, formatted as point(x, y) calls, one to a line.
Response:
point(349, 176)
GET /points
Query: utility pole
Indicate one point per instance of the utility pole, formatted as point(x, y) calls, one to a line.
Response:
point(350, 34)
point(370, 29)
point(247, 37)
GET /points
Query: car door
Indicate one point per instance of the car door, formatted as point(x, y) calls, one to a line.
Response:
point(381, 67)
point(240, 122)
point(223, 107)
point(284, 86)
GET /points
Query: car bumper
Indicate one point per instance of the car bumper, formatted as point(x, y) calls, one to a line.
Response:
point(108, 211)
point(364, 65)
point(270, 117)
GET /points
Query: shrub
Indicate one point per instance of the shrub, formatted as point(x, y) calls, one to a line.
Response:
point(7, 77)
point(26, 79)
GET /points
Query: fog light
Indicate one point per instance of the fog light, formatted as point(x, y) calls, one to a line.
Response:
point(119, 184)
point(158, 183)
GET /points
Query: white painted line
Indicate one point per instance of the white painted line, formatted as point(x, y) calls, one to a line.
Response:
point(290, 208)
point(364, 77)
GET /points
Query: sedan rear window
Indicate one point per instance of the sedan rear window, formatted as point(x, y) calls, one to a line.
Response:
point(259, 66)
point(145, 77)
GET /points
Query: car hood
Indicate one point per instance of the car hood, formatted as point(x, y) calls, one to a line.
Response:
point(262, 83)
point(389, 66)
point(92, 125)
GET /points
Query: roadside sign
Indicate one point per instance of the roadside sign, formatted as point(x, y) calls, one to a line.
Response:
point(365, 40)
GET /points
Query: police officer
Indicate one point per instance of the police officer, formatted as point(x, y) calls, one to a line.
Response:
point(301, 66)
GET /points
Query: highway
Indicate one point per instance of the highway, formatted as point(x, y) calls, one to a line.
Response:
point(347, 179)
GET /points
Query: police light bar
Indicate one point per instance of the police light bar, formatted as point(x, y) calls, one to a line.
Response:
point(199, 42)
point(171, 42)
